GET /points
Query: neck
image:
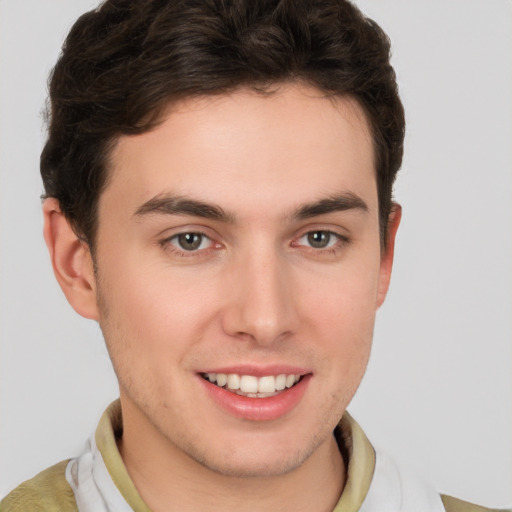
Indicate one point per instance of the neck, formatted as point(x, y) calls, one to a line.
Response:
point(164, 475)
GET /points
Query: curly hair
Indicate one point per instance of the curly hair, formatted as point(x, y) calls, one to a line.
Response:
point(122, 64)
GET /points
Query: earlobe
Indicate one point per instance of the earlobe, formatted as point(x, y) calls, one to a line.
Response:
point(386, 262)
point(71, 260)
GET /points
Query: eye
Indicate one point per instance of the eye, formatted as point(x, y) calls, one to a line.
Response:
point(320, 239)
point(190, 241)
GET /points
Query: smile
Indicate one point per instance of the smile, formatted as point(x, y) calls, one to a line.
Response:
point(251, 386)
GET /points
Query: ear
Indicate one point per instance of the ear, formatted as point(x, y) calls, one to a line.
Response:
point(386, 260)
point(71, 260)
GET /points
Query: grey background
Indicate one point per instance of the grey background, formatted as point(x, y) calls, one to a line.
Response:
point(438, 391)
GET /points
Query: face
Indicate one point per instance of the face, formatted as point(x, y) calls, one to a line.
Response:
point(238, 247)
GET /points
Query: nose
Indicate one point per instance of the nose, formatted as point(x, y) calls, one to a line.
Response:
point(260, 305)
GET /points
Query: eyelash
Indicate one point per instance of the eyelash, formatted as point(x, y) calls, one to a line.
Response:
point(169, 245)
point(339, 242)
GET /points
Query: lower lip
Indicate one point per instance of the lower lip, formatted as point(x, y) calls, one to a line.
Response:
point(258, 409)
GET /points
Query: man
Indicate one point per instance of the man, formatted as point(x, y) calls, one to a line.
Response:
point(218, 182)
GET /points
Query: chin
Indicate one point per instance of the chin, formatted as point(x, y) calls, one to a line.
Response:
point(253, 468)
point(249, 460)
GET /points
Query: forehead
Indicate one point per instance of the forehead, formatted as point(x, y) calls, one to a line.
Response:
point(278, 148)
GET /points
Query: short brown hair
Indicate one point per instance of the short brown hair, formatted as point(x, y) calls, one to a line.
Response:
point(122, 63)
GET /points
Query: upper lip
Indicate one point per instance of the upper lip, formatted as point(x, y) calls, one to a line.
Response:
point(259, 371)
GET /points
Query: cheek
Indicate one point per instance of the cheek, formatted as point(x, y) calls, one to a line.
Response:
point(146, 311)
point(149, 329)
point(341, 316)
point(345, 299)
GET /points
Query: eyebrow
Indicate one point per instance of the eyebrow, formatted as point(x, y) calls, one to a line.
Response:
point(170, 204)
point(335, 203)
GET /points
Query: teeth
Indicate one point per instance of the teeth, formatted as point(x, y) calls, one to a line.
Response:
point(248, 384)
point(267, 384)
point(233, 381)
point(253, 386)
point(280, 382)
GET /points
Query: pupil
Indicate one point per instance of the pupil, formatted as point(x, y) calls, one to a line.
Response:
point(319, 239)
point(190, 241)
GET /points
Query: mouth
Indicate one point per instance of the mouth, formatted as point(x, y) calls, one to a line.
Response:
point(251, 386)
point(256, 394)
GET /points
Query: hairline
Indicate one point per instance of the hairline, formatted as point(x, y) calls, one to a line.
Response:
point(160, 113)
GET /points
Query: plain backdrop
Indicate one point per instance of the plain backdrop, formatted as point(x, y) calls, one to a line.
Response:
point(438, 390)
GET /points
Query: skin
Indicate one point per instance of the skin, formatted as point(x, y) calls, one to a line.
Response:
point(256, 292)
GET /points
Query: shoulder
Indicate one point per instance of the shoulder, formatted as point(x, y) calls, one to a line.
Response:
point(48, 491)
point(455, 505)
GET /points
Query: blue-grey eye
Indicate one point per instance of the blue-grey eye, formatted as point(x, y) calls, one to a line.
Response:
point(320, 239)
point(190, 241)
